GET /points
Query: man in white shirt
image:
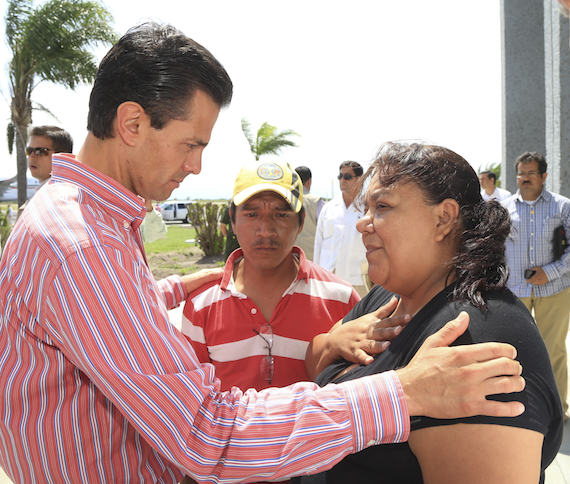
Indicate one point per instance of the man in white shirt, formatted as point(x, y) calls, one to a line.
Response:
point(488, 188)
point(338, 245)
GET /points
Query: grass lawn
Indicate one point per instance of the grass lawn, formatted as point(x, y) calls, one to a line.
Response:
point(173, 255)
point(175, 240)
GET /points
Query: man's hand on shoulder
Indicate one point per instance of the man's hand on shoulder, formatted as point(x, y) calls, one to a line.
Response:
point(198, 279)
point(452, 382)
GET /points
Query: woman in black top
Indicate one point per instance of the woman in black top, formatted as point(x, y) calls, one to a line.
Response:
point(432, 240)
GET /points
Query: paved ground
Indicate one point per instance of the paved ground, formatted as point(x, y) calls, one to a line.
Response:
point(557, 473)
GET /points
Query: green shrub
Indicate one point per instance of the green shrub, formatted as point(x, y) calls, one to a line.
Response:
point(204, 217)
point(5, 228)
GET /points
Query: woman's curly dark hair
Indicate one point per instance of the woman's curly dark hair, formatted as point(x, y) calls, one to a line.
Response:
point(482, 227)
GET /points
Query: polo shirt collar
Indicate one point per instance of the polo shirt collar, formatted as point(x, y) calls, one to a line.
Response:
point(236, 255)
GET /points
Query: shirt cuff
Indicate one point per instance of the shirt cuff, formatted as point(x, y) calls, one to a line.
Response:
point(378, 409)
point(551, 272)
point(173, 291)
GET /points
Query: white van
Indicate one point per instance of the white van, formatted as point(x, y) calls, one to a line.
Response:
point(175, 210)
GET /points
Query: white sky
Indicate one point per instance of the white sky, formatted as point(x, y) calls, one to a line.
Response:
point(346, 76)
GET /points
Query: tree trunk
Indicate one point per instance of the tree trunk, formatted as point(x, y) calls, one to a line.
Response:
point(21, 119)
point(22, 163)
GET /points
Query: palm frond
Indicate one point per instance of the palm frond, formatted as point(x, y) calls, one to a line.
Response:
point(10, 135)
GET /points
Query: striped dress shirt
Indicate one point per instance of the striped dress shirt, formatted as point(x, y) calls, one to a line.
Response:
point(99, 387)
point(531, 243)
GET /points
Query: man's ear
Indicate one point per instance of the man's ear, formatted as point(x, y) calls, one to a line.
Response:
point(128, 122)
point(447, 213)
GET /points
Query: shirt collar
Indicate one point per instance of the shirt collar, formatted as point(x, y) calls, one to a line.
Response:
point(122, 204)
point(236, 255)
point(544, 194)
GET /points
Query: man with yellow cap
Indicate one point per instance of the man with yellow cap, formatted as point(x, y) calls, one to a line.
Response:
point(256, 323)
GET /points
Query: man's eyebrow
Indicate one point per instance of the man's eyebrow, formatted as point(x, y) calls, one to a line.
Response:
point(200, 142)
point(249, 205)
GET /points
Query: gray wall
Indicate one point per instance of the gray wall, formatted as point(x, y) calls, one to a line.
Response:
point(536, 89)
point(557, 94)
point(524, 116)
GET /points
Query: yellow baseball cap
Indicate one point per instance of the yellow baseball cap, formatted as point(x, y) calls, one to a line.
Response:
point(276, 176)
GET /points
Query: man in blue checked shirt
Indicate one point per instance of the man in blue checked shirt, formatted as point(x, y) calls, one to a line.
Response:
point(537, 276)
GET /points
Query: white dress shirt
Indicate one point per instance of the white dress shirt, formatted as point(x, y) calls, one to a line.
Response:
point(338, 245)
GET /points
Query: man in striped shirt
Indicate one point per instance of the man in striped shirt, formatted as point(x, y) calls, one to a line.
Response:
point(539, 272)
point(99, 387)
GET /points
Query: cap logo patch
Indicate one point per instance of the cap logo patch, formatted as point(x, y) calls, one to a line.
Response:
point(269, 171)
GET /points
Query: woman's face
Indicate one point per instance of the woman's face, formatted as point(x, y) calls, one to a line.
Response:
point(403, 236)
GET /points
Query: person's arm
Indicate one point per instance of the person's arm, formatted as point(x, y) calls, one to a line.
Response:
point(120, 337)
point(478, 454)
point(356, 340)
point(224, 222)
point(116, 331)
point(198, 279)
point(174, 289)
point(474, 371)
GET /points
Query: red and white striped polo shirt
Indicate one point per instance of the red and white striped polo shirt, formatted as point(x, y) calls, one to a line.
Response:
point(221, 324)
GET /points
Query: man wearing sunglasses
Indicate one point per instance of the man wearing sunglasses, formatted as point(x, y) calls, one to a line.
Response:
point(98, 386)
point(44, 142)
point(338, 245)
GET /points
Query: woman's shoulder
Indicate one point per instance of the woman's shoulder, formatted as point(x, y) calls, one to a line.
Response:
point(505, 319)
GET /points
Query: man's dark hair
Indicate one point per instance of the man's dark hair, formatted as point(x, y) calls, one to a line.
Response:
point(356, 167)
point(61, 140)
point(158, 67)
point(490, 175)
point(529, 156)
point(304, 173)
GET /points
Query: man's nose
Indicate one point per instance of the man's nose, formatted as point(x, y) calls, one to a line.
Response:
point(266, 227)
point(193, 165)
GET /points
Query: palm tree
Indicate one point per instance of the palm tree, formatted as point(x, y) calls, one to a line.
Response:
point(49, 43)
point(269, 141)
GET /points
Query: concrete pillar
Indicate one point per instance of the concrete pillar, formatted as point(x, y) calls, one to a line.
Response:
point(523, 83)
point(536, 89)
point(557, 95)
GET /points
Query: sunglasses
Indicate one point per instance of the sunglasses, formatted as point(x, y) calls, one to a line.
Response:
point(37, 151)
point(346, 176)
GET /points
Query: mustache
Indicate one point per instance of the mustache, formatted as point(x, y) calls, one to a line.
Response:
point(266, 242)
